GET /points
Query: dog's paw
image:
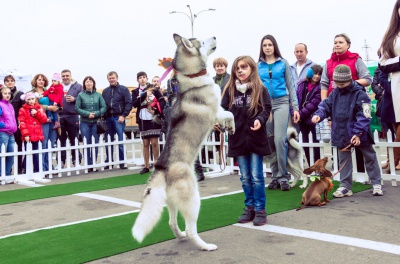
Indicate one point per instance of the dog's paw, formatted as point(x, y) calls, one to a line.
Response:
point(181, 235)
point(303, 186)
point(209, 247)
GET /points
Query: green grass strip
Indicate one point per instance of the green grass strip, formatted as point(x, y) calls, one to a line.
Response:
point(106, 237)
point(35, 193)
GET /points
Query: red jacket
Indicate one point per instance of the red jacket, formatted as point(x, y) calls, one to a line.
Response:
point(55, 94)
point(348, 58)
point(31, 125)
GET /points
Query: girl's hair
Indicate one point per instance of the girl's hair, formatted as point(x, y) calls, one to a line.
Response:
point(1, 91)
point(37, 76)
point(256, 85)
point(277, 53)
point(89, 78)
point(317, 69)
point(387, 47)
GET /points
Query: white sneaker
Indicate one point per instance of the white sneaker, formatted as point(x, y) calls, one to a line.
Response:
point(342, 192)
point(377, 190)
point(9, 181)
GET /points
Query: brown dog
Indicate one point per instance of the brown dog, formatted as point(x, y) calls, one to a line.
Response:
point(312, 196)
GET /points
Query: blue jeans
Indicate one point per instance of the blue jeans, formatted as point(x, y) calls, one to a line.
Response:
point(252, 178)
point(35, 146)
point(89, 129)
point(115, 128)
point(49, 134)
point(8, 141)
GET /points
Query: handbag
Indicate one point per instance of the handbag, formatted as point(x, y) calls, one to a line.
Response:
point(102, 126)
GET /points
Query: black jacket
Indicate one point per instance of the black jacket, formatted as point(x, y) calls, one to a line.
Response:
point(137, 100)
point(118, 101)
point(16, 101)
point(245, 140)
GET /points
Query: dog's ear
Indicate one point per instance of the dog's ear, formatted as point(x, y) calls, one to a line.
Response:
point(177, 39)
point(309, 171)
point(324, 172)
point(187, 44)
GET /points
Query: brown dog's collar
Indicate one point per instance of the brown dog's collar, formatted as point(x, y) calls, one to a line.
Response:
point(200, 73)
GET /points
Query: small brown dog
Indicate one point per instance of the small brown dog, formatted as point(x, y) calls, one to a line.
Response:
point(312, 195)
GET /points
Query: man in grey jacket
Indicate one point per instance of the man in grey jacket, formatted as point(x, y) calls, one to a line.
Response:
point(300, 67)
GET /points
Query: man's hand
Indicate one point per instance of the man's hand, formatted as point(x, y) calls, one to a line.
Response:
point(355, 140)
point(315, 119)
point(121, 119)
point(70, 98)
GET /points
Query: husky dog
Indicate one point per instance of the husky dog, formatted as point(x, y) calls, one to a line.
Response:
point(193, 115)
point(295, 157)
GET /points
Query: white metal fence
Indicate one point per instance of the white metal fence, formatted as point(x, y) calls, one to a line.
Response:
point(209, 158)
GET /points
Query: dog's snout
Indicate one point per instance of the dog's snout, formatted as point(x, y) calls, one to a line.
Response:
point(215, 38)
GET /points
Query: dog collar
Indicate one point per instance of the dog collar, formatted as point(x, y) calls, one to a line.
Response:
point(200, 73)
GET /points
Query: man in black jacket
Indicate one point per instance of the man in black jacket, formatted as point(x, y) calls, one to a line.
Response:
point(119, 105)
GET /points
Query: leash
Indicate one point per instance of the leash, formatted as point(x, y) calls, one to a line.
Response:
point(222, 164)
point(347, 148)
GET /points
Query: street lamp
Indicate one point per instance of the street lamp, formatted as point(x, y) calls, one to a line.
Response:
point(192, 16)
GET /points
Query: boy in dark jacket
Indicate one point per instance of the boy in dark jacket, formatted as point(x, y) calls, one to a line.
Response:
point(350, 109)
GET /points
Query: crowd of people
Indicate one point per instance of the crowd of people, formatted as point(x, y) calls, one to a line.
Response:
point(265, 98)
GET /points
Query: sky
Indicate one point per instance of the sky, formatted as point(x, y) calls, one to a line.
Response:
point(93, 37)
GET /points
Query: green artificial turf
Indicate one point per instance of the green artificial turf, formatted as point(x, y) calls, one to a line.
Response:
point(35, 193)
point(106, 237)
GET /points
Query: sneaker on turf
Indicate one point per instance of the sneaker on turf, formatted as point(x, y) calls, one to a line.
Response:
point(247, 215)
point(274, 184)
point(377, 190)
point(342, 192)
point(285, 186)
point(260, 218)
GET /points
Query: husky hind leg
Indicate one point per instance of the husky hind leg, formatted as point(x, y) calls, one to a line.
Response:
point(173, 221)
point(184, 194)
point(152, 206)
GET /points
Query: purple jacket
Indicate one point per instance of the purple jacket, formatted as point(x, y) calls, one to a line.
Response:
point(308, 101)
point(7, 116)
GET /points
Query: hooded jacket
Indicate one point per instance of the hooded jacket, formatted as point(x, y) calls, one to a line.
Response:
point(31, 125)
point(308, 101)
point(245, 140)
point(7, 116)
point(350, 110)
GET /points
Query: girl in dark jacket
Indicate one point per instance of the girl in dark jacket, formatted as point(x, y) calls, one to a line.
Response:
point(309, 96)
point(250, 104)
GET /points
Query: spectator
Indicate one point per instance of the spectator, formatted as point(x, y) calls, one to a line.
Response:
point(389, 53)
point(155, 82)
point(275, 74)
point(248, 100)
point(8, 126)
point(69, 119)
point(350, 109)
point(309, 96)
point(142, 99)
point(39, 84)
point(119, 105)
point(17, 103)
point(55, 94)
point(221, 78)
point(300, 68)
point(386, 126)
point(360, 74)
point(90, 105)
point(29, 116)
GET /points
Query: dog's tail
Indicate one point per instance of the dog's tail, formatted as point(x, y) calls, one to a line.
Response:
point(301, 207)
point(152, 206)
point(292, 138)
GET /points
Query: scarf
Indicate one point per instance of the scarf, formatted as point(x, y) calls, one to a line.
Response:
point(241, 87)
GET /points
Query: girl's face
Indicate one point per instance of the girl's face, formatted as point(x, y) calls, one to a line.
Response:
point(340, 45)
point(40, 82)
point(268, 47)
point(316, 78)
point(243, 71)
point(30, 101)
point(54, 82)
point(6, 93)
point(89, 84)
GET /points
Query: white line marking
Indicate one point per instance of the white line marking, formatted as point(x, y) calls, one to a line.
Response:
point(109, 199)
point(342, 240)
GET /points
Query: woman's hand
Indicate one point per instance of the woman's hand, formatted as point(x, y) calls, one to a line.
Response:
point(52, 108)
point(91, 115)
point(355, 140)
point(296, 117)
point(256, 125)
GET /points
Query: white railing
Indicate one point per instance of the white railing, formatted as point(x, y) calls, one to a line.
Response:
point(133, 158)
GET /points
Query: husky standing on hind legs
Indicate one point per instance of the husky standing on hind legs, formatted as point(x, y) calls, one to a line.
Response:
point(193, 115)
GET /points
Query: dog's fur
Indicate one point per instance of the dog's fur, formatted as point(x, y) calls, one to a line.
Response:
point(312, 196)
point(193, 115)
point(294, 158)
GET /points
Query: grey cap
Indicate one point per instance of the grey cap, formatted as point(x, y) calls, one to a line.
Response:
point(342, 74)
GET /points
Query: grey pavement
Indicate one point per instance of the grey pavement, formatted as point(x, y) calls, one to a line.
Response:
point(360, 220)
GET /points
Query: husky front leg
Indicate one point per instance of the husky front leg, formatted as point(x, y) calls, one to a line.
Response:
point(226, 120)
